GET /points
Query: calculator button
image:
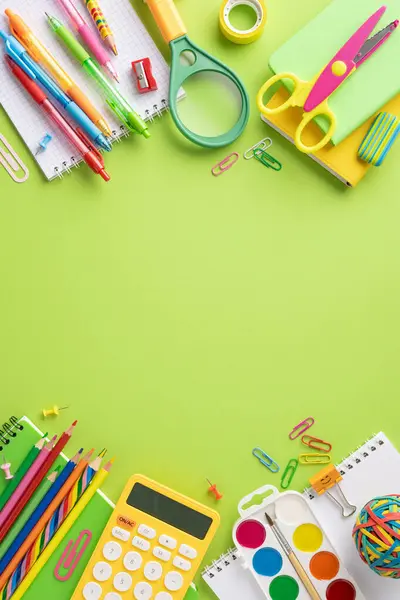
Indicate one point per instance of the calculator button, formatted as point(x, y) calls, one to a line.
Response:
point(161, 553)
point(167, 541)
point(122, 582)
point(163, 596)
point(173, 581)
point(92, 591)
point(153, 571)
point(187, 551)
point(102, 571)
point(112, 596)
point(182, 564)
point(112, 551)
point(132, 561)
point(147, 532)
point(121, 534)
point(140, 543)
point(143, 591)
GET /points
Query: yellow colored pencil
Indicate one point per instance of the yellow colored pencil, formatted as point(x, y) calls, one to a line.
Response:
point(97, 482)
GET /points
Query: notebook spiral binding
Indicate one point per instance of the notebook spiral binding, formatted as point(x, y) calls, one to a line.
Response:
point(8, 431)
point(223, 562)
point(117, 137)
point(351, 460)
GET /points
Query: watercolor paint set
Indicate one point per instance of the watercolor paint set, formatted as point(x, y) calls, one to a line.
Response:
point(287, 551)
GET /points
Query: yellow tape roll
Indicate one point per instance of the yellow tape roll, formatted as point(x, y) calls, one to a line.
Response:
point(238, 36)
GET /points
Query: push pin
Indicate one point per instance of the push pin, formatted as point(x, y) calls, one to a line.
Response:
point(53, 412)
point(213, 490)
point(44, 142)
point(6, 467)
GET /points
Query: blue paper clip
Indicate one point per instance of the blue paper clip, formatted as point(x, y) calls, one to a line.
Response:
point(266, 460)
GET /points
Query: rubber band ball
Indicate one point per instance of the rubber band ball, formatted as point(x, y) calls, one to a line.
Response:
point(377, 535)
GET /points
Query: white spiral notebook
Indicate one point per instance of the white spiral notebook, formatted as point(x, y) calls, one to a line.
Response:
point(372, 470)
point(133, 42)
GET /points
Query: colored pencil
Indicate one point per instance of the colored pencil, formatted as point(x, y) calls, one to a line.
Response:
point(23, 486)
point(21, 471)
point(62, 532)
point(102, 25)
point(39, 510)
point(41, 491)
point(44, 519)
point(33, 485)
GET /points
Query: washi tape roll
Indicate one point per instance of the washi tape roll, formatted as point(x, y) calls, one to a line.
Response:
point(238, 36)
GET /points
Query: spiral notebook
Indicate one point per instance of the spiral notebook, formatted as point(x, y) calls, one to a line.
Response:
point(134, 43)
point(372, 470)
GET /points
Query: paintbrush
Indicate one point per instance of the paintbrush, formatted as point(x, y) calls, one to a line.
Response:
point(293, 559)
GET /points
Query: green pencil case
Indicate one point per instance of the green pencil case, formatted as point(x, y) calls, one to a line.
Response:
point(379, 139)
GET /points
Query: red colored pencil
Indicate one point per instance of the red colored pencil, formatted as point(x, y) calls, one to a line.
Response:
point(50, 460)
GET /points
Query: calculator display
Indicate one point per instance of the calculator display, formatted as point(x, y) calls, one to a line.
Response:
point(170, 511)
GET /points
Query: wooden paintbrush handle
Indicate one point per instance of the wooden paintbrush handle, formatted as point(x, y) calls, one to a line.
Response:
point(304, 577)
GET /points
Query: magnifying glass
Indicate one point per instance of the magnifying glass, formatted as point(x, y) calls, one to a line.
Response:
point(174, 33)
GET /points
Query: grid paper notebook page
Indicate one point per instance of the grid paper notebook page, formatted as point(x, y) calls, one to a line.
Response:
point(133, 43)
point(373, 470)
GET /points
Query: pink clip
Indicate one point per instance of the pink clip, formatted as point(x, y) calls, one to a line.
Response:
point(71, 557)
point(301, 428)
point(225, 164)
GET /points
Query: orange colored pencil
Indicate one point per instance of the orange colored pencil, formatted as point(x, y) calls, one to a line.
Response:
point(76, 473)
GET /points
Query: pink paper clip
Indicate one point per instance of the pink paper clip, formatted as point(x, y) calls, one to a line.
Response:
point(301, 428)
point(71, 556)
point(225, 164)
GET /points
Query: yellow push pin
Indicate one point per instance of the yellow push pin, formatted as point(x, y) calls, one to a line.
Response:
point(53, 412)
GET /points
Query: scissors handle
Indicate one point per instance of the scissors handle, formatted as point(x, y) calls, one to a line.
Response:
point(321, 111)
point(265, 109)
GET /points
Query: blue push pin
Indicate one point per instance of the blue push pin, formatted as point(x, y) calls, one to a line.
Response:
point(44, 142)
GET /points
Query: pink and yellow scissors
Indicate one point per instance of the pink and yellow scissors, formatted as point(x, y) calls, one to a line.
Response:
point(313, 95)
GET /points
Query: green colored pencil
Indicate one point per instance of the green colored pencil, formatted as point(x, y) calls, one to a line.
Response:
point(21, 471)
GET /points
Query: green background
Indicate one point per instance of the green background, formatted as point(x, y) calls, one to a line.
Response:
point(185, 318)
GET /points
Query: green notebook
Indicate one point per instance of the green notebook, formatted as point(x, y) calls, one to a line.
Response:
point(375, 83)
point(94, 518)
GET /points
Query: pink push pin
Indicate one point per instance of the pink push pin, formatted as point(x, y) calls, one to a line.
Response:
point(6, 467)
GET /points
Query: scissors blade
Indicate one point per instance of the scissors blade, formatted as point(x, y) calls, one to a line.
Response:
point(373, 43)
point(328, 81)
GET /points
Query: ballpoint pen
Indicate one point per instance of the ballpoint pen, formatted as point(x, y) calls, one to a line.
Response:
point(89, 153)
point(39, 53)
point(89, 37)
point(20, 56)
point(101, 23)
point(114, 99)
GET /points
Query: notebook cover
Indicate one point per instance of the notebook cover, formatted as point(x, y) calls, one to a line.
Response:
point(94, 518)
point(342, 161)
point(371, 86)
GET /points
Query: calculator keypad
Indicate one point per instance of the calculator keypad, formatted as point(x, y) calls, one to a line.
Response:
point(153, 571)
point(147, 532)
point(122, 582)
point(112, 551)
point(132, 561)
point(173, 581)
point(141, 543)
point(102, 571)
point(112, 596)
point(143, 591)
point(92, 591)
point(161, 554)
point(121, 534)
point(187, 551)
point(182, 564)
point(167, 541)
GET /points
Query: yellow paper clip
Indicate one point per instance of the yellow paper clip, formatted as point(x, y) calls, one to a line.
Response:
point(225, 164)
point(316, 458)
point(325, 480)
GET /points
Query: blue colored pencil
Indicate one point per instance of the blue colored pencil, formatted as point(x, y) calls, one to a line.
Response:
point(38, 512)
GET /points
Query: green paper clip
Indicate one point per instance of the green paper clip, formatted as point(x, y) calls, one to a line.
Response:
point(289, 473)
point(267, 160)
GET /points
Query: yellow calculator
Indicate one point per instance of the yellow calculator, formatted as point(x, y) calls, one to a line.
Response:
point(151, 547)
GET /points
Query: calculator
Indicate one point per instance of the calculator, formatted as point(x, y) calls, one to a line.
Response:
point(151, 547)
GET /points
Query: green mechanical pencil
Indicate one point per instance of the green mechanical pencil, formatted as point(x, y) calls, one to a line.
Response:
point(115, 100)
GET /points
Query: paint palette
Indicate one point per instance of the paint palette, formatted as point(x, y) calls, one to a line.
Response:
point(266, 558)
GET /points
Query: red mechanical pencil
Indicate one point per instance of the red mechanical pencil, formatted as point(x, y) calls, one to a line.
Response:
point(89, 153)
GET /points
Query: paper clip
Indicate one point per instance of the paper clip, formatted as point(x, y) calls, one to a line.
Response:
point(266, 460)
point(12, 162)
point(71, 556)
point(261, 145)
point(267, 159)
point(328, 478)
point(289, 473)
point(225, 164)
point(314, 459)
point(316, 444)
point(301, 428)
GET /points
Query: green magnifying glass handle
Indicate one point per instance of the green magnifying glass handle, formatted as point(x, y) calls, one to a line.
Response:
point(203, 62)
